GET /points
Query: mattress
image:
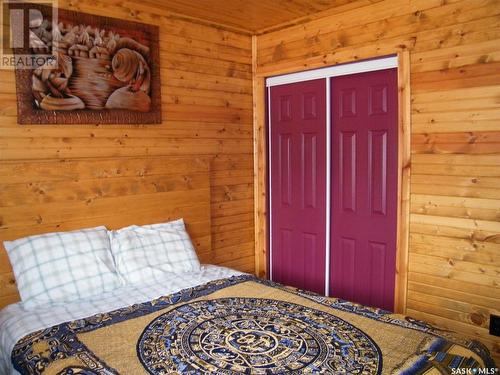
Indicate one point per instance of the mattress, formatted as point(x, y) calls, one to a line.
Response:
point(224, 323)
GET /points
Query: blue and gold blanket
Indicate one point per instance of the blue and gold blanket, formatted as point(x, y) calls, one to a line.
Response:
point(244, 325)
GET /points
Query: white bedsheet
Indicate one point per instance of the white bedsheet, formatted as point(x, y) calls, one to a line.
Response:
point(16, 321)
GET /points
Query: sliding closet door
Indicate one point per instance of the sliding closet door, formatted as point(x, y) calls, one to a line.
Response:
point(298, 184)
point(364, 187)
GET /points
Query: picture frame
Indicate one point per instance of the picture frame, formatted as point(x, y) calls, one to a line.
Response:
point(108, 71)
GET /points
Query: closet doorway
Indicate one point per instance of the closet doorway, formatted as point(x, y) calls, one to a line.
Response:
point(333, 180)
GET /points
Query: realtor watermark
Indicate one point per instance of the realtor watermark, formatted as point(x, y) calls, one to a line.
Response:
point(29, 34)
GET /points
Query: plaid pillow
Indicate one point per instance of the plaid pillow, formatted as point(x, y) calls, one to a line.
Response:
point(145, 255)
point(63, 266)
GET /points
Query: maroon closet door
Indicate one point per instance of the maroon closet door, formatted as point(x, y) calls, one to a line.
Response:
point(364, 187)
point(298, 184)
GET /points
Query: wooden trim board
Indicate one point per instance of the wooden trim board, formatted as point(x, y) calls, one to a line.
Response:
point(260, 167)
point(404, 162)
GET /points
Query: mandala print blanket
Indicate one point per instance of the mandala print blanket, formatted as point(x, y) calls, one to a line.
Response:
point(244, 325)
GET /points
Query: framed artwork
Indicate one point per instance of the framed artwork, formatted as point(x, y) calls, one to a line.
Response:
point(107, 71)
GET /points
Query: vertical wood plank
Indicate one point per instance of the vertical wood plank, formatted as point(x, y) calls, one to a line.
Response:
point(404, 159)
point(260, 167)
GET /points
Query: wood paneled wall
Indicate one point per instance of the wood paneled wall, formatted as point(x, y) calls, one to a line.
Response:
point(60, 195)
point(206, 72)
point(206, 76)
point(454, 260)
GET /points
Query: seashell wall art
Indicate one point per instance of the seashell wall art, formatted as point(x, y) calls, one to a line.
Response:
point(107, 72)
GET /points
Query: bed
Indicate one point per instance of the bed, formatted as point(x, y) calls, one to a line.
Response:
point(222, 322)
point(161, 320)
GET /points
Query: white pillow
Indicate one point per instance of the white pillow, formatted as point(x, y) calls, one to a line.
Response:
point(63, 266)
point(145, 255)
point(175, 225)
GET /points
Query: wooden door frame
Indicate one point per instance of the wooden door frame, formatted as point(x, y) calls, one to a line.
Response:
point(260, 139)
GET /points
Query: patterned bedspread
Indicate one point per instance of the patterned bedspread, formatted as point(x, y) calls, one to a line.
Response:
point(250, 326)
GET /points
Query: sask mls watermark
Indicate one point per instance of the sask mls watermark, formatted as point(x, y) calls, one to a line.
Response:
point(475, 371)
point(29, 34)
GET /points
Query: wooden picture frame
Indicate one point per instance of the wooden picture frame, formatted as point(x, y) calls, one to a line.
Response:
point(113, 69)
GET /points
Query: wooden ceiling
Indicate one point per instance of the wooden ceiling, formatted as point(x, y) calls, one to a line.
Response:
point(252, 16)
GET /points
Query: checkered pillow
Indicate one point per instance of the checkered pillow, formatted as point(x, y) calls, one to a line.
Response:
point(145, 255)
point(62, 267)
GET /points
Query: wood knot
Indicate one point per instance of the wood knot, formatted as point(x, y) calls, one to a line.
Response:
point(484, 59)
point(477, 319)
point(279, 52)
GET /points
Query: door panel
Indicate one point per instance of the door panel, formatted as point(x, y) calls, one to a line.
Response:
point(309, 170)
point(285, 168)
point(364, 187)
point(377, 171)
point(347, 173)
point(298, 184)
